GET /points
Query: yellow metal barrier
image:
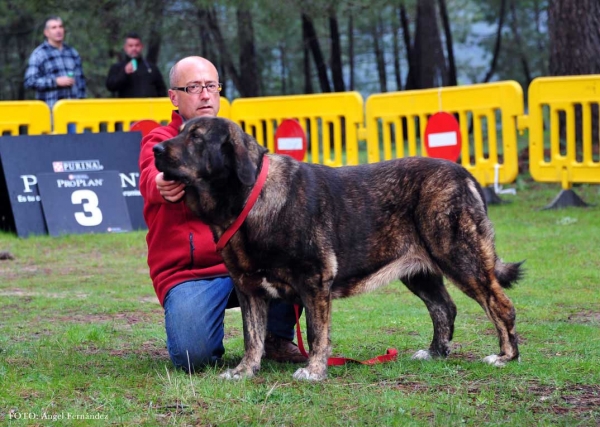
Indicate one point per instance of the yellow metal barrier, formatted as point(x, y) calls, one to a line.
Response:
point(565, 106)
point(493, 110)
point(330, 121)
point(24, 118)
point(114, 115)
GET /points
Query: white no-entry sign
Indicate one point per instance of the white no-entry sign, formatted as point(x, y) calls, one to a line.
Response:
point(442, 137)
point(290, 139)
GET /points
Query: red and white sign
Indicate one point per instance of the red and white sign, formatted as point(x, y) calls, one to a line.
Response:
point(290, 139)
point(442, 137)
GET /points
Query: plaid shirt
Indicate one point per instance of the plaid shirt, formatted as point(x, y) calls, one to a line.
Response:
point(46, 63)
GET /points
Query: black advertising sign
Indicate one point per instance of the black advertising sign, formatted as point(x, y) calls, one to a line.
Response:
point(24, 157)
point(83, 202)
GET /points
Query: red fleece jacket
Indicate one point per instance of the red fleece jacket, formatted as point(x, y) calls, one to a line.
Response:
point(180, 246)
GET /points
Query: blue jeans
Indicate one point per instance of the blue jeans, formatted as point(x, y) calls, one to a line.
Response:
point(194, 314)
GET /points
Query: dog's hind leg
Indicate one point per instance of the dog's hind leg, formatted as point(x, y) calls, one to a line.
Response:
point(501, 312)
point(484, 287)
point(254, 319)
point(430, 288)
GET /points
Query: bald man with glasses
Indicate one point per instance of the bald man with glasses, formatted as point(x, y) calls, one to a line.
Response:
point(189, 277)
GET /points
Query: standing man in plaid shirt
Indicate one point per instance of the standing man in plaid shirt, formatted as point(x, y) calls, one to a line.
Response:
point(54, 69)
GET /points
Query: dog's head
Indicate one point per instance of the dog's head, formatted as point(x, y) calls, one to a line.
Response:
point(212, 150)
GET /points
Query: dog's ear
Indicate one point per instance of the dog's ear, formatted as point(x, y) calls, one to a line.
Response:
point(247, 154)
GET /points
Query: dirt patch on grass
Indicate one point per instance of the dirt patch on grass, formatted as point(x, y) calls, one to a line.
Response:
point(585, 317)
point(576, 399)
point(579, 400)
point(154, 349)
point(583, 397)
point(6, 256)
point(17, 292)
point(392, 331)
point(127, 318)
point(231, 332)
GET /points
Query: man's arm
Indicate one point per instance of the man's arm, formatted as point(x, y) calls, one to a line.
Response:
point(34, 75)
point(153, 187)
point(117, 77)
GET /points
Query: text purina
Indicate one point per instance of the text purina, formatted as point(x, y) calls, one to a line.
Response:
point(81, 165)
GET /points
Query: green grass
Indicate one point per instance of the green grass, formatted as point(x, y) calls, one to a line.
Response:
point(81, 334)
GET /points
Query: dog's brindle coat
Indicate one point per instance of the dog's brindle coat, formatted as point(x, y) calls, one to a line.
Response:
point(317, 233)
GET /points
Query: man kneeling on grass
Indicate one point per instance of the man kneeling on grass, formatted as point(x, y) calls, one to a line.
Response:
point(188, 274)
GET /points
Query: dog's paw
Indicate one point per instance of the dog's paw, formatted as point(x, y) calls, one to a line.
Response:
point(494, 360)
point(306, 375)
point(234, 374)
point(421, 355)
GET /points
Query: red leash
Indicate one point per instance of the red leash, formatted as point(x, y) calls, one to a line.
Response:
point(260, 181)
point(390, 355)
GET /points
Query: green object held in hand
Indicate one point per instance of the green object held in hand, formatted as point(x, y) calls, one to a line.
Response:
point(134, 64)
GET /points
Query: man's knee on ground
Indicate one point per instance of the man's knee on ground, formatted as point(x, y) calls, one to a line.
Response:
point(195, 358)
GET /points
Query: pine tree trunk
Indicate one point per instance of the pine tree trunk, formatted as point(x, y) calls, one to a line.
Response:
point(428, 58)
point(337, 75)
point(351, 50)
point(498, 43)
point(225, 56)
point(514, 25)
point(396, 52)
point(574, 30)
point(411, 80)
point(313, 43)
point(308, 86)
point(376, 32)
point(250, 78)
point(155, 37)
point(574, 33)
point(452, 81)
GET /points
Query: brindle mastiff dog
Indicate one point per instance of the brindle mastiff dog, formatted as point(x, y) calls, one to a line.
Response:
point(317, 233)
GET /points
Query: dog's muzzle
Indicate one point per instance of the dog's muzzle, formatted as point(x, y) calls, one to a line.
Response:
point(158, 149)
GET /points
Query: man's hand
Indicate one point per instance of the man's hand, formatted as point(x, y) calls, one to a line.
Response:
point(129, 67)
point(172, 191)
point(65, 81)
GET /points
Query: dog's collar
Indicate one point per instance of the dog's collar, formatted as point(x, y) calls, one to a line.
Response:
point(258, 185)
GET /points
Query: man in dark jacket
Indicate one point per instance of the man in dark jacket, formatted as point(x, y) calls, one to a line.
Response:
point(134, 77)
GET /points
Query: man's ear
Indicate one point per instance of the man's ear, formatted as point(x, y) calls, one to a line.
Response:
point(173, 98)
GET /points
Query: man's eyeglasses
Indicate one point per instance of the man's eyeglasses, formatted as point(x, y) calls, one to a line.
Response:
point(197, 88)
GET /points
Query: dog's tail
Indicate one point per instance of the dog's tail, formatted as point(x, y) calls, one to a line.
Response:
point(508, 273)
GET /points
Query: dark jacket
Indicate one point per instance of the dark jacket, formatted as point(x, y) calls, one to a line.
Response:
point(145, 82)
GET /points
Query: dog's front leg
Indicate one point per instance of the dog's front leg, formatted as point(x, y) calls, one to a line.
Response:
point(317, 309)
point(254, 318)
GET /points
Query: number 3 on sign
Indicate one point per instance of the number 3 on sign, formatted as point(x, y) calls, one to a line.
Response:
point(89, 201)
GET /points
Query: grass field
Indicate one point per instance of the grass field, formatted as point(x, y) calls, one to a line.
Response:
point(81, 337)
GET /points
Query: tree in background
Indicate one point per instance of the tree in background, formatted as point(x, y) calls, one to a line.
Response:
point(428, 64)
point(574, 30)
point(521, 38)
point(266, 48)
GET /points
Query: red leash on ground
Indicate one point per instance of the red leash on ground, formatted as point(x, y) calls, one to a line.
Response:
point(390, 355)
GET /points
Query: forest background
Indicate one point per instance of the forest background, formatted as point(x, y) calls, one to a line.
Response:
point(283, 47)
